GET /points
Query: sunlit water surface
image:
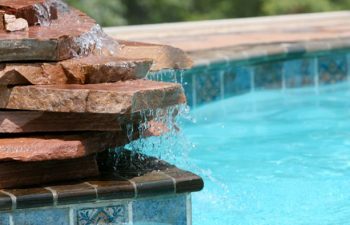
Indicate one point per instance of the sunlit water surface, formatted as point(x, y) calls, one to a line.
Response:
point(273, 158)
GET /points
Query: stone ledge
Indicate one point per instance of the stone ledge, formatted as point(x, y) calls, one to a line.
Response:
point(85, 70)
point(59, 146)
point(121, 97)
point(126, 183)
point(218, 41)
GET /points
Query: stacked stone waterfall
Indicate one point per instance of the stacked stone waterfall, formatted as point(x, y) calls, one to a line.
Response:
point(67, 91)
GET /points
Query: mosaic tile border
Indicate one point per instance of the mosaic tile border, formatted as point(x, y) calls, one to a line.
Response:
point(167, 209)
point(218, 80)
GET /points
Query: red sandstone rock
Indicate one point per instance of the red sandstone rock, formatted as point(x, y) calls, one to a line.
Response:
point(58, 147)
point(85, 70)
point(72, 34)
point(34, 121)
point(163, 56)
point(14, 174)
point(31, 10)
point(121, 97)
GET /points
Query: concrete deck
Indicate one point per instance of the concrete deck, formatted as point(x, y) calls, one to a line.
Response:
point(246, 38)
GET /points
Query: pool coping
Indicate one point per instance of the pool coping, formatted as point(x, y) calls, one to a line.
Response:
point(163, 179)
point(237, 40)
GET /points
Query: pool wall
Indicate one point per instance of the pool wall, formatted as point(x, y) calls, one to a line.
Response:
point(172, 209)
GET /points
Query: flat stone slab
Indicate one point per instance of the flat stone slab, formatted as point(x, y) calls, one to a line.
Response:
point(36, 12)
point(58, 147)
point(14, 174)
point(121, 97)
point(71, 35)
point(84, 70)
point(30, 122)
point(163, 56)
point(35, 121)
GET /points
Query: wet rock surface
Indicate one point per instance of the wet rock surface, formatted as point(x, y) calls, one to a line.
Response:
point(58, 147)
point(163, 56)
point(85, 70)
point(71, 35)
point(32, 11)
point(120, 97)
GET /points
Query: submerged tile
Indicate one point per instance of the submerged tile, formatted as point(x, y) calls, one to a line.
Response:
point(52, 216)
point(4, 219)
point(237, 80)
point(268, 75)
point(168, 210)
point(208, 86)
point(298, 73)
point(332, 68)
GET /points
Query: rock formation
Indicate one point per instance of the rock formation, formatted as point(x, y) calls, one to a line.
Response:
point(67, 91)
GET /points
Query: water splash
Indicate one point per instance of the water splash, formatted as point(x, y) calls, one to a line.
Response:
point(171, 145)
point(169, 75)
point(44, 13)
point(97, 41)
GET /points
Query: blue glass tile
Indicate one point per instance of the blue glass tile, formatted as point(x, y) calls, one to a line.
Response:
point(4, 219)
point(332, 68)
point(116, 215)
point(208, 86)
point(237, 81)
point(298, 73)
point(268, 75)
point(171, 210)
point(53, 216)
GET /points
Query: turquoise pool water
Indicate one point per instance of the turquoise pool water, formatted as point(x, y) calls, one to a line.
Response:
point(273, 158)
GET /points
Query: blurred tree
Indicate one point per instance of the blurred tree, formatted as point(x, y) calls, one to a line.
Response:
point(272, 7)
point(107, 13)
point(122, 12)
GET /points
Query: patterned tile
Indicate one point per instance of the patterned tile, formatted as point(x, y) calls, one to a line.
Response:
point(4, 219)
point(332, 68)
point(170, 210)
point(237, 81)
point(268, 75)
point(208, 86)
point(54, 216)
point(298, 73)
point(116, 215)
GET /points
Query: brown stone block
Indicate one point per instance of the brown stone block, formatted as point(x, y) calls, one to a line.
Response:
point(86, 70)
point(14, 174)
point(163, 56)
point(121, 97)
point(30, 10)
point(34, 121)
point(58, 147)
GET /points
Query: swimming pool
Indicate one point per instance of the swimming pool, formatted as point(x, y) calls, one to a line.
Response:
point(273, 157)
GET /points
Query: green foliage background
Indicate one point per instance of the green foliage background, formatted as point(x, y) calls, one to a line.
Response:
point(123, 12)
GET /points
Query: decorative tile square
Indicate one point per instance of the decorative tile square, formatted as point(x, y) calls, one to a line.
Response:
point(299, 73)
point(4, 219)
point(208, 86)
point(237, 81)
point(268, 75)
point(108, 215)
point(332, 68)
point(170, 211)
point(54, 216)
